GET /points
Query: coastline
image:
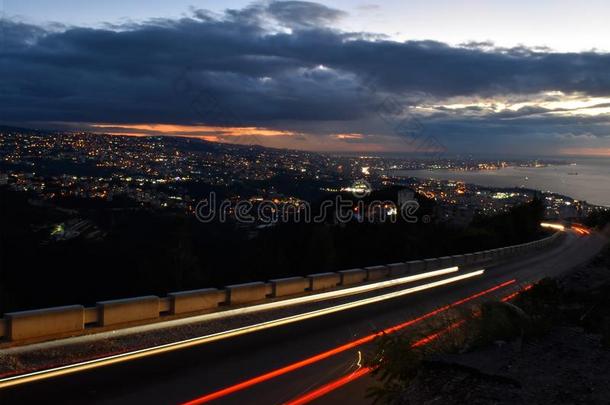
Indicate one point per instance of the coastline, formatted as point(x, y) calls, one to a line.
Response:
point(589, 186)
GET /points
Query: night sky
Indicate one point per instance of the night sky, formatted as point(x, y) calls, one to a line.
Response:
point(479, 76)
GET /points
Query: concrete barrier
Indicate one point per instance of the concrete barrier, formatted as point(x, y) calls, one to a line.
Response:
point(323, 281)
point(45, 322)
point(458, 260)
point(353, 276)
point(445, 261)
point(268, 290)
point(91, 315)
point(376, 272)
point(398, 269)
point(432, 264)
point(470, 258)
point(165, 305)
point(52, 322)
point(196, 300)
point(128, 310)
point(416, 266)
point(289, 286)
point(478, 257)
point(248, 292)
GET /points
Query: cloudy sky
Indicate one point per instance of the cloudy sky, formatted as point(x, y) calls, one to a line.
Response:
point(468, 76)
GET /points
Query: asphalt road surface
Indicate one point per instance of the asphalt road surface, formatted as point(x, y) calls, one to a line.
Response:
point(183, 375)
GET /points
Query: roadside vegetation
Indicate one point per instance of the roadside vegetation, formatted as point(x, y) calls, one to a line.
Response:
point(598, 219)
point(144, 252)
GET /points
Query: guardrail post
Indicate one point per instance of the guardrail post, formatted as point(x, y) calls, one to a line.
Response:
point(288, 286)
point(114, 312)
point(353, 276)
point(376, 272)
point(247, 292)
point(323, 281)
point(196, 300)
point(45, 322)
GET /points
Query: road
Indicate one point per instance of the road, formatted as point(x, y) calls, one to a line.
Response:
point(183, 375)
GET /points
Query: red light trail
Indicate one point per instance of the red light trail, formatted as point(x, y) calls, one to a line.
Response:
point(350, 345)
point(434, 336)
point(361, 372)
point(333, 385)
point(516, 293)
point(338, 383)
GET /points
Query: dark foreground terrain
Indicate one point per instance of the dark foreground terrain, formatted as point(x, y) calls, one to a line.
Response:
point(559, 353)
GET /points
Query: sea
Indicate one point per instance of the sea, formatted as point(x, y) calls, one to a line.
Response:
point(583, 178)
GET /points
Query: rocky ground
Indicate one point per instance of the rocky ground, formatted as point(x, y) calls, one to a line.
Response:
point(566, 367)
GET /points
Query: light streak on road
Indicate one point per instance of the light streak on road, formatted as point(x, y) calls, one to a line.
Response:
point(581, 229)
point(339, 349)
point(245, 310)
point(361, 372)
point(516, 293)
point(549, 225)
point(434, 336)
point(578, 228)
point(333, 385)
point(137, 354)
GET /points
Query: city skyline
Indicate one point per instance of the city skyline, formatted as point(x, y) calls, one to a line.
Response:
point(337, 76)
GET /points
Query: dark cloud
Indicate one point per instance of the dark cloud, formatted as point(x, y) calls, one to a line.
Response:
point(264, 64)
point(303, 14)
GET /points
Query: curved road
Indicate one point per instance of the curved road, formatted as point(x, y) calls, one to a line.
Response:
point(179, 376)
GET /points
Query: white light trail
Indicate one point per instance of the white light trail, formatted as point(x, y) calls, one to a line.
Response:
point(133, 355)
point(558, 227)
point(240, 311)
